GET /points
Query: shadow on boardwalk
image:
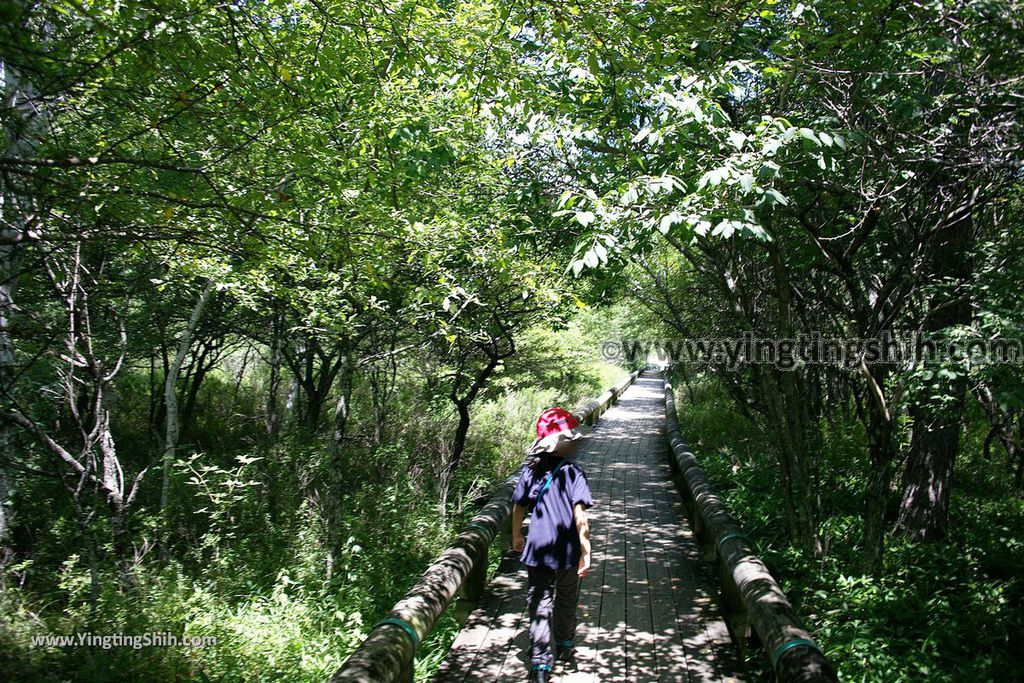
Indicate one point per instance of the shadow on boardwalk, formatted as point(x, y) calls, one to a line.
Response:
point(647, 610)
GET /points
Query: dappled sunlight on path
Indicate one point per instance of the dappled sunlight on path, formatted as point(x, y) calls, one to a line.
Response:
point(647, 610)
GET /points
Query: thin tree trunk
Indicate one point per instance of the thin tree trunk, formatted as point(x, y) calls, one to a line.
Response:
point(343, 407)
point(938, 415)
point(881, 455)
point(461, 431)
point(202, 366)
point(795, 424)
point(273, 418)
point(292, 402)
point(171, 395)
point(239, 376)
point(379, 391)
point(338, 467)
point(1015, 452)
point(85, 527)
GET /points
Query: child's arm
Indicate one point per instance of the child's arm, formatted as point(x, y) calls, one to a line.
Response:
point(579, 515)
point(518, 515)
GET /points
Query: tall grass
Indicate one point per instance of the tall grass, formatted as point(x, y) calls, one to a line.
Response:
point(245, 561)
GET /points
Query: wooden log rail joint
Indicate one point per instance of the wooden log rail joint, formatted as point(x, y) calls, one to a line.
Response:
point(749, 591)
point(388, 652)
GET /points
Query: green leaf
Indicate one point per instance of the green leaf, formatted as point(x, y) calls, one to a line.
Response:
point(775, 197)
point(585, 218)
point(808, 134)
point(725, 228)
point(737, 139)
point(713, 177)
point(668, 220)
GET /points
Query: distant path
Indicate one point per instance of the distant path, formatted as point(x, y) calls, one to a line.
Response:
point(647, 611)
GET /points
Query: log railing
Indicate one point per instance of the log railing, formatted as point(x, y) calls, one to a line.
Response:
point(388, 652)
point(589, 412)
point(750, 594)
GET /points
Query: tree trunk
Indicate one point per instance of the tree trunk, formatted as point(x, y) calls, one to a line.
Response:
point(938, 415)
point(314, 406)
point(85, 528)
point(202, 366)
point(1015, 452)
point(291, 403)
point(316, 373)
point(121, 543)
point(795, 424)
point(774, 412)
point(924, 506)
point(881, 455)
point(273, 418)
point(171, 395)
point(113, 480)
point(381, 385)
point(338, 465)
point(459, 441)
point(343, 407)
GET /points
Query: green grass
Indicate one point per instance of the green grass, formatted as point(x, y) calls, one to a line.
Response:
point(252, 573)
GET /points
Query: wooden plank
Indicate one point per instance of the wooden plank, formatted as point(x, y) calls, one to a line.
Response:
point(610, 662)
point(695, 603)
point(678, 555)
point(641, 660)
point(490, 660)
point(472, 639)
point(659, 525)
point(670, 653)
point(640, 651)
point(605, 655)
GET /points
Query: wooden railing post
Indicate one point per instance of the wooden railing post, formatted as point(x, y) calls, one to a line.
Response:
point(704, 538)
point(472, 589)
point(737, 617)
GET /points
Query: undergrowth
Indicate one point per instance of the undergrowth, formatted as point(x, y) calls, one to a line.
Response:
point(943, 611)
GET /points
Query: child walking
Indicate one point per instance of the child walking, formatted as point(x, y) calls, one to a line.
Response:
point(557, 550)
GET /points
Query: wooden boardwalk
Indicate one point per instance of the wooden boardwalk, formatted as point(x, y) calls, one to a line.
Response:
point(647, 610)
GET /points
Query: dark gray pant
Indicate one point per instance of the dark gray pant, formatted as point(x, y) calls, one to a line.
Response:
point(552, 598)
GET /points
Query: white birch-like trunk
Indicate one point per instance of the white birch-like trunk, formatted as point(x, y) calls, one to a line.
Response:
point(171, 395)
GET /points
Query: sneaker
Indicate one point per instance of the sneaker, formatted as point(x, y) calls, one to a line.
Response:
point(565, 651)
point(540, 674)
